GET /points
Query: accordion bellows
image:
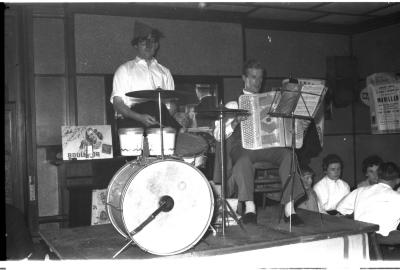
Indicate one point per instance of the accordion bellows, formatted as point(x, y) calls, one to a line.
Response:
point(261, 131)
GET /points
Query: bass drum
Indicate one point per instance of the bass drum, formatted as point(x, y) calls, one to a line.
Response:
point(134, 194)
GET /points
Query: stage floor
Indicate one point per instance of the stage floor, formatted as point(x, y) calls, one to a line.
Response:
point(103, 241)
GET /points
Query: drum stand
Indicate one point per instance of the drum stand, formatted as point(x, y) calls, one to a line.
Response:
point(225, 207)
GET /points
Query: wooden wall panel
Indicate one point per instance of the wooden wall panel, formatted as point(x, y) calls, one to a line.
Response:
point(48, 45)
point(11, 66)
point(189, 47)
point(91, 101)
point(341, 122)
point(48, 200)
point(232, 88)
point(343, 147)
point(362, 118)
point(299, 53)
point(50, 102)
point(361, 113)
point(378, 50)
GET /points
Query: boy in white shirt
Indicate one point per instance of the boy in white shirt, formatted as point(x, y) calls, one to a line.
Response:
point(378, 204)
point(370, 169)
point(331, 189)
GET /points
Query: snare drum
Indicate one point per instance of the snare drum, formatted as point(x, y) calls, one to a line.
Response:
point(134, 194)
point(192, 148)
point(153, 137)
point(131, 141)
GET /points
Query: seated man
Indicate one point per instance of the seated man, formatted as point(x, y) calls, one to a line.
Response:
point(378, 204)
point(242, 160)
point(206, 102)
point(370, 169)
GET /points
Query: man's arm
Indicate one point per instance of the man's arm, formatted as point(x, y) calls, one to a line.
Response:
point(230, 124)
point(322, 196)
point(347, 204)
point(120, 107)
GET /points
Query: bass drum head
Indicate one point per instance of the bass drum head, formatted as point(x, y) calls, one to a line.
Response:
point(114, 193)
point(182, 227)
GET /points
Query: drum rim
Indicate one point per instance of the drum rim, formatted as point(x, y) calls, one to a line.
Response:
point(113, 179)
point(157, 130)
point(120, 130)
point(212, 206)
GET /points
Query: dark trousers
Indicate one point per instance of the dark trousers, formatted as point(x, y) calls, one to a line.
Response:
point(243, 171)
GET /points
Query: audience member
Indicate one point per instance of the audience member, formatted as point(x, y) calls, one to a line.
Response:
point(310, 201)
point(331, 189)
point(396, 174)
point(378, 204)
point(370, 169)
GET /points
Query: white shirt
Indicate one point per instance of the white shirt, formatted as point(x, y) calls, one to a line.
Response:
point(378, 204)
point(330, 192)
point(228, 126)
point(136, 75)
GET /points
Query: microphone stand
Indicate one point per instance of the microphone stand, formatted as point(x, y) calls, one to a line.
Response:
point(166, 204)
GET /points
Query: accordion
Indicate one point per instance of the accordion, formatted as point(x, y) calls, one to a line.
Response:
point(260, 130)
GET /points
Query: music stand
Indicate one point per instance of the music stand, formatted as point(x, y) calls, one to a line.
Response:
point(291, 104)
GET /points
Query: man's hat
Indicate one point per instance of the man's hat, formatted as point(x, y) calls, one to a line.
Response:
point(143, 31)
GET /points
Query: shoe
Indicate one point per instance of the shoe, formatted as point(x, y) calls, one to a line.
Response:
point(296, 220)
point(249, 218)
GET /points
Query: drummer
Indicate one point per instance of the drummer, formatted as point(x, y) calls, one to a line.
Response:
point(142, 73)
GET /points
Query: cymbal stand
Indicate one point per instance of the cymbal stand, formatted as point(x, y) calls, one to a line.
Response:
point(224, 205)
point(161, 126)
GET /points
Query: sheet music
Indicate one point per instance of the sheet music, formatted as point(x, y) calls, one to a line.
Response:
point(311, 96)
point(286, 101)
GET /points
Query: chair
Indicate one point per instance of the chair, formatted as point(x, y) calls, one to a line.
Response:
point(386, 246)
point(267, 181)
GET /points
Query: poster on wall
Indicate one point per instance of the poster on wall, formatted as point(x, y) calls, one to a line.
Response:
point(86, 142)
point(384, 99)
point(99, 212)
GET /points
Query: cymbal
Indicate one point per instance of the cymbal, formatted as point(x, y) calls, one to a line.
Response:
point(154, 93)
point(215, 113)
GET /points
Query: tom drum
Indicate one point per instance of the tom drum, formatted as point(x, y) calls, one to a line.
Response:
point(153, 137)
point(131, 141)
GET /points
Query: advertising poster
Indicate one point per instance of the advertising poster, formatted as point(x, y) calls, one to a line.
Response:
point(385, 108)
point(86, 142)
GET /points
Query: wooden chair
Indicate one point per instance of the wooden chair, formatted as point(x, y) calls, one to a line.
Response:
point(267, 181)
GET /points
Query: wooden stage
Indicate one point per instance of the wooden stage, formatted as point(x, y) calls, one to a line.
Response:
point(336, 238)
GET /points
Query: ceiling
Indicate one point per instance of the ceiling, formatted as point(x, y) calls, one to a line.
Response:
point(325, 17)
point(344, 17)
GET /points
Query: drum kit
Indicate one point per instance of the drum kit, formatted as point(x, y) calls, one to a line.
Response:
point(164, 205)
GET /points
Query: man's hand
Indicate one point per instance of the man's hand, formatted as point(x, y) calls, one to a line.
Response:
point(147, 120)
point(236, 121)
